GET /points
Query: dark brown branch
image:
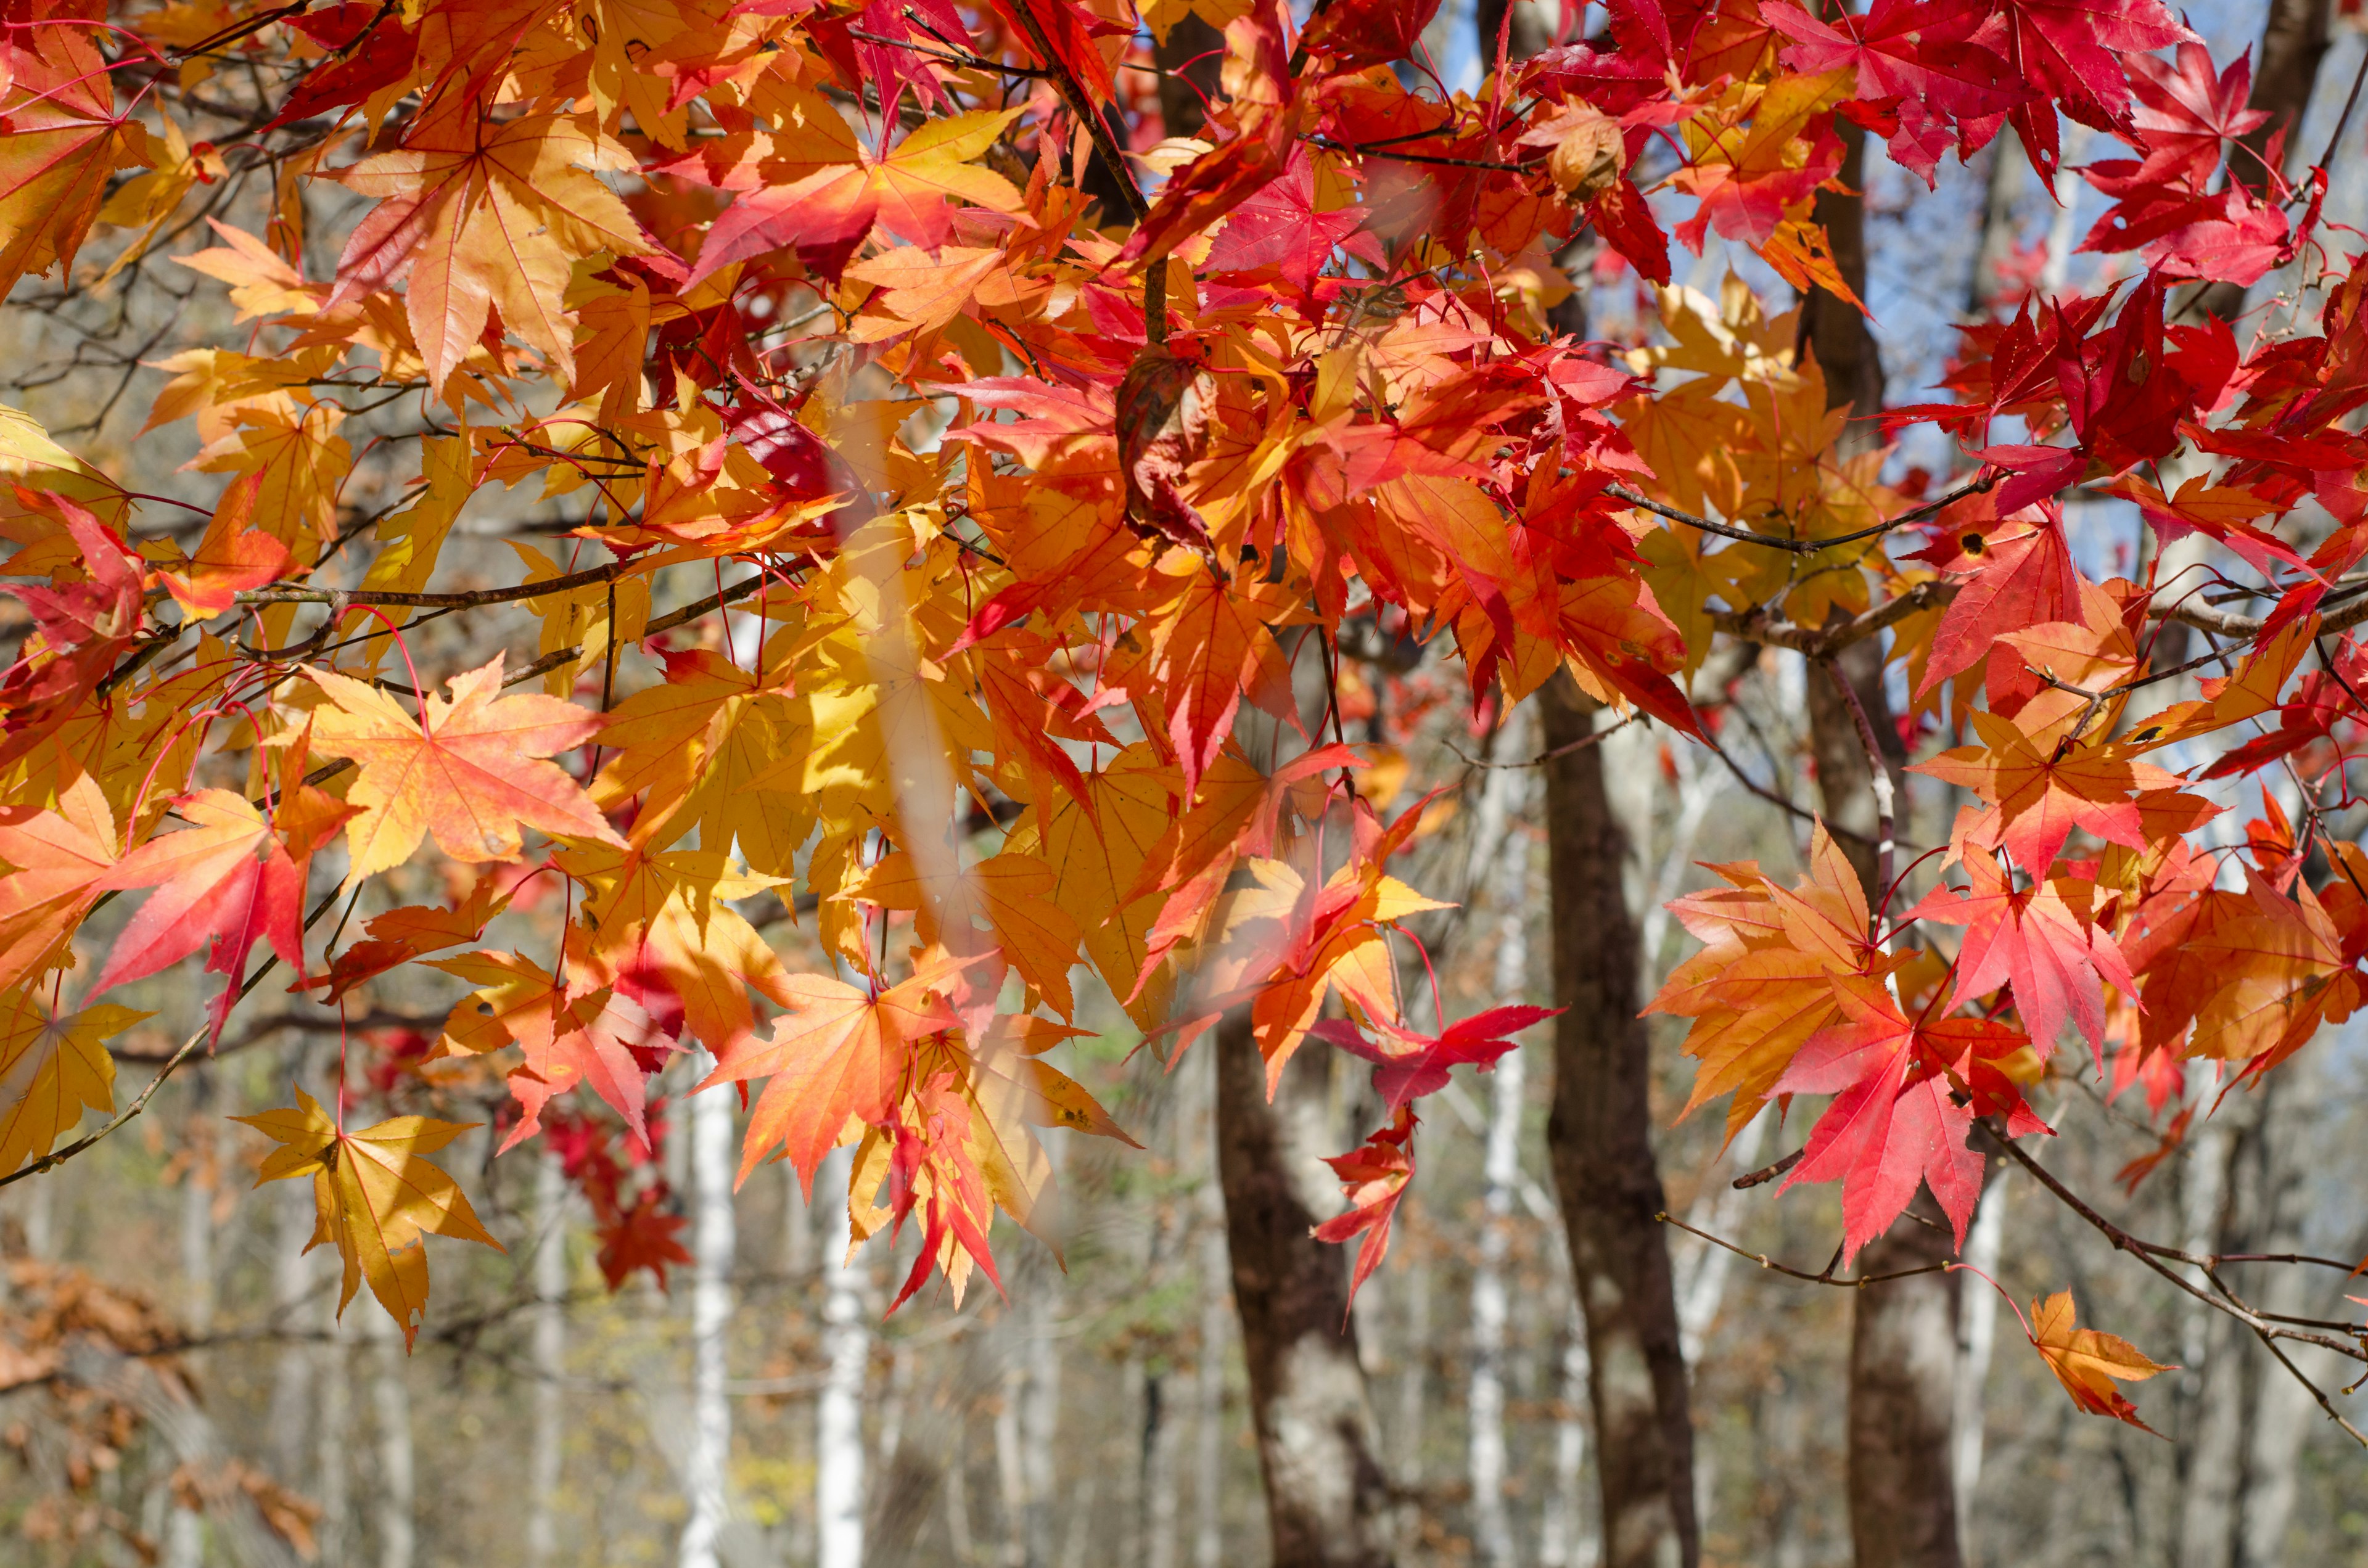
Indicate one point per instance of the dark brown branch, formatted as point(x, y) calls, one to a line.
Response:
point(189, 1048)
point(1769, 1173)
point(1975, 487)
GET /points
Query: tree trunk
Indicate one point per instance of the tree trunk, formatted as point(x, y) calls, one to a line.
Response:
point(1977, 1338)
point(1191, 55)
point(184, 1535)
point(838, 1414)
point(1904, 1335)
point(1903, 1384)
point(1832, 328)
point(546, 1452)
point(1561, 1542)
point(1600, 1137)
point(1327, 1500)
point(706, 1469)
point(337, 1407)
point(1492, 1524)
point(292, 1379)
point(391, 1406)
point(1530, 31)
point(1209, 1376)
point(1040, 1414)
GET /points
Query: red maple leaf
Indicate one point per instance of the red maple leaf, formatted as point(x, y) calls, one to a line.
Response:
point(1420, 1065)
point(1374, 1175)
point(1894, 1121)
point(2041, 940)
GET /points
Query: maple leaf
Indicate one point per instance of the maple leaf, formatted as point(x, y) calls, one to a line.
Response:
point(839, 1052)
point(1776, 968)
point(932, 1165)
point(228, 881)
point(826, 214)
point(1422, 1065)
point(1747, 177)
point(487, 215)
point(464, 769)
point(572, 1029)
point(52, 1068)
point(2071, 51)
point(405, 933)
point(1925, 65)
point(2088, 1362)
point(1896, 1121)
point(62, 858)
point(2041, 796)
point(57, 98)
point(1011, 894)
point(230, 558)
point(645, 1235)
point(376, 1198)
point(1374, 1176)
point(1214, 645)
point(2043, 940)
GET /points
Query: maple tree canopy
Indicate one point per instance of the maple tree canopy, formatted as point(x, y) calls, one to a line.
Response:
point(977, 494)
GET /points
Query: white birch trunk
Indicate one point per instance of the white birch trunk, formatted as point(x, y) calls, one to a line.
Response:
point(1491, 1520)
point(1413, 1378)
point(391, 1406)
point(1009, 1473)
point(1702, 1269)
point(185, 1531)
point(1162, 1499)
point(1216, 1323)
point(1040, 1415)
point(797, 1226)
point(337, 1408)
point(292, 1380)
point(838, 1414)
point(1563, 1539)
point(705, 1474)
point(1977, 1338)
point(958, 1531)
point(547, 1453)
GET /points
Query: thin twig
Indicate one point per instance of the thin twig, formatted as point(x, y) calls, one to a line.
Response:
point(1878, 780)
point(1844, 1282)
point(189, 1048)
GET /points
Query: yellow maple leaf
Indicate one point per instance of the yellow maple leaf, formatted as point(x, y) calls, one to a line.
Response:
point(52, 1070)
point(376, 1195)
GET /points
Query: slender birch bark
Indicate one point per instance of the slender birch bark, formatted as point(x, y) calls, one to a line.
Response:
point(185, 1531)
point(394, 1513)
point(1562, 1539)
point(1040, 1413)
point(1977, 1338)
point(1327, 1500)
point(292, 1378)
point(838, 1414)
point(546, 1454)
point(707, 1467)
point(1501, 1173)
point(337, 1408)
point(1208, 1377)
point(1600, 1136)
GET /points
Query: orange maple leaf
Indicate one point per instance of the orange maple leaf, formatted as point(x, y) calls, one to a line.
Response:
point(376, 1197)
point(2087, 1362)
point(464, 769)
point(840, 1052)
